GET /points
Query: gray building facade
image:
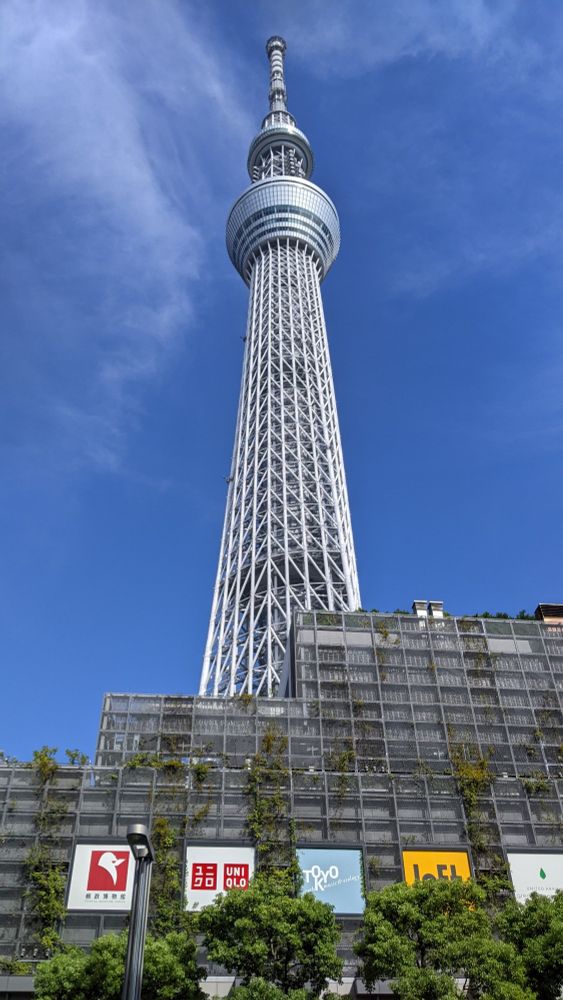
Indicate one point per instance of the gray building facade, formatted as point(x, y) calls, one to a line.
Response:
point(394, 732)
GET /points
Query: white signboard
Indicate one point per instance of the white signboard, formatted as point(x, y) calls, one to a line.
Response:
point(211, 871)
point(532, 871)
point(101, 878)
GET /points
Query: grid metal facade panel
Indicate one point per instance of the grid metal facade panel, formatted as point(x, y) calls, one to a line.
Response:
point(378, 707)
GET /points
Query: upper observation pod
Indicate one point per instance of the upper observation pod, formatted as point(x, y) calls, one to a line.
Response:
point(282, 203)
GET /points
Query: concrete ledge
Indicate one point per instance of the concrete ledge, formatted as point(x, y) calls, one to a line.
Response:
point(214, 986)
point(380, 989)
point(22, 985)
point(218, 986)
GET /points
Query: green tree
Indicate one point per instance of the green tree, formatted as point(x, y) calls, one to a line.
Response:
point(259, 989)
point(269, 932)
point(426, 936)
point(535, 928)
point(170, 971)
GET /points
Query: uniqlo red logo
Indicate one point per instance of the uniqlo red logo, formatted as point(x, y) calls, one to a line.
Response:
point(235, 876)
point(204, 876)
point(108, 871)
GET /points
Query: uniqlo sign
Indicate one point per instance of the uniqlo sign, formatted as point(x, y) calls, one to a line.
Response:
point(236, 876)
point(204, 876)
point(101, 878)
point(211, 871)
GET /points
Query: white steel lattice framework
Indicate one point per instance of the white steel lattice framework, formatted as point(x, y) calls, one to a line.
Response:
point(287, 538)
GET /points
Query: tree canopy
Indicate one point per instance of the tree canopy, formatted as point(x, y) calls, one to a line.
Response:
point(270, 933)
point(427, 936)
point(170, 971)
point(535, 929)
point(434, 941)
point(259, 989)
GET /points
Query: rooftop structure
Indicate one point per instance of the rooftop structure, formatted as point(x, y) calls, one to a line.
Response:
point(287, 538)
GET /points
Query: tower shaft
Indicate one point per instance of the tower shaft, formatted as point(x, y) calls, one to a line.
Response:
point(287, 538)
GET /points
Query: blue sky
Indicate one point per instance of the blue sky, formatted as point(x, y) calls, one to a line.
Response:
point(436, 126)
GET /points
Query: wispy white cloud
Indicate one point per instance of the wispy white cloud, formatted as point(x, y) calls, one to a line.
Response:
point(351, 38)
point(126, 125)
point(115, 116)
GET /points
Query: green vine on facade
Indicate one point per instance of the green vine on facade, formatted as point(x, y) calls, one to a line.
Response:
point(358, 621)
point(374, 867)
point(471, 770)
point(13, 967)
point(156, 761)
point(200, 771)
point(176, 772)
point(474, 778)
point(341, 759)
point(267, 817)
point(45, 891)
point(76, 758)
point(50, 817)
point(45, 878)
point(201, 813)
point(44, 763)
point(327, 619)
point(422, 770)
point(246, 700)
point(166, 910)
point(536, 784)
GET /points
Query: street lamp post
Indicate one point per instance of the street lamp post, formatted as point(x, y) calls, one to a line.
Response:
point(139, 842)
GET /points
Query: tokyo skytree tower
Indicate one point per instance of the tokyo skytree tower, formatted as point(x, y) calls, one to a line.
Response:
point(287, 538)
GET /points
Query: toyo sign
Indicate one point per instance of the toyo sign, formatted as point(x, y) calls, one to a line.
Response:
point(333, 876)
point(534, 871)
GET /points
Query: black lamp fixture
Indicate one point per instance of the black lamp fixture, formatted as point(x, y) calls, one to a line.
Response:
point(142, 850)
point(139, 841)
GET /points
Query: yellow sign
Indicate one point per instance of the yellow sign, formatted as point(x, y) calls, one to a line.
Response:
point(421, 866)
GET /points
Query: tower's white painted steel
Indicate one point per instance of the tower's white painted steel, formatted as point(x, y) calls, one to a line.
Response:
point(287, 538)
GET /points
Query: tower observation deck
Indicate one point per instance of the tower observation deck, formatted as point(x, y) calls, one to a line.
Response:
point(287, 537)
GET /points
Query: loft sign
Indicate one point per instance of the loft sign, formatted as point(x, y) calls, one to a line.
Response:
point(450, 875)
point(431, 866)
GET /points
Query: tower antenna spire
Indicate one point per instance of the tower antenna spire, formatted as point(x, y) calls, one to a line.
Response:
point(275, 47)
